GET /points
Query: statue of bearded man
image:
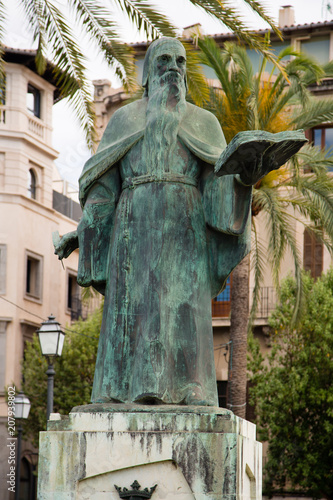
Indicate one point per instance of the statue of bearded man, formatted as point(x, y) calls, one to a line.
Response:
point(159, 235)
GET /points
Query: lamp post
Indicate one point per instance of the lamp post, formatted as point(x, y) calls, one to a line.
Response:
point(51, 339)
point(22, 408)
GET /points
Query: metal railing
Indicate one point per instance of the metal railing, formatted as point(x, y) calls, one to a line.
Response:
point(267, 304)
point(66, 206)
point(82, 309)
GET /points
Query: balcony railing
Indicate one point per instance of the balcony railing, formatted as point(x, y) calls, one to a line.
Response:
point(11, 119)
point(82, 309)
point(220, 309)
point(66, 206)
point(267, 304)
point(267, 301)
point(36, 127)
point(2, 115)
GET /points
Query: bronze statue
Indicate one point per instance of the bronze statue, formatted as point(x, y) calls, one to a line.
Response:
point(159, 235)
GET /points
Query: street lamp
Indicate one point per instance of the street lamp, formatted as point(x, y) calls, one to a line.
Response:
point(51, 339)
point(22, 408)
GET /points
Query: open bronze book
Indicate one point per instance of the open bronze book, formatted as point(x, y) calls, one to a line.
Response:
point(246, 148)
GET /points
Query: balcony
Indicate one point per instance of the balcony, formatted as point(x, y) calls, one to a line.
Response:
point(66, 206)
point(19, 120)
point(267, 303)
point(82, 309)
point(36, 127)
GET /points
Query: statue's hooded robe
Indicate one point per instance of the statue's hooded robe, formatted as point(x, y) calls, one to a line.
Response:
point(160, 245)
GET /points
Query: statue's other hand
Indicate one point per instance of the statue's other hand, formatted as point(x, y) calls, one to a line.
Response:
point(65, 245)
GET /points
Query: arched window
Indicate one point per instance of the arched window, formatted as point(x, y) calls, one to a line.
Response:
point(313, 254)
point(32, 184)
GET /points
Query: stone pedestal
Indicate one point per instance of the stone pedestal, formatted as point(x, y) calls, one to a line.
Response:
point(188, 452)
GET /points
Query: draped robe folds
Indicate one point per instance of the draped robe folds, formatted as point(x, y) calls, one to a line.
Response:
point(159, 245)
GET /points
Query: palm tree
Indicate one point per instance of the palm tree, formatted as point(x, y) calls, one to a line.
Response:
point(52, 32)
point(269, 101)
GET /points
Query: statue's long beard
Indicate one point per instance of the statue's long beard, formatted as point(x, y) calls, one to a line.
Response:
point(165, 110)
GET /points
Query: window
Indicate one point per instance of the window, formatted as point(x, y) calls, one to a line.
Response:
point(323, 138)
point(74, 303)
point(2, 98)
point(32, 184)
point(34, 270)
point(3, 268)
point(318, 48)
point(3, 339)
point(33, 100)
point(313, 254)
point(221, 304)
point(222, 392)
point(2, 89)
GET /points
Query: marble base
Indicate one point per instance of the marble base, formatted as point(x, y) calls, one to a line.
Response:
point(188, 452)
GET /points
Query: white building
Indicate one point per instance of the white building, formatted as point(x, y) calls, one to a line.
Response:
point(33, 283)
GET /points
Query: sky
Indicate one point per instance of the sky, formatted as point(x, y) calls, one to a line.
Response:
point(67, 136)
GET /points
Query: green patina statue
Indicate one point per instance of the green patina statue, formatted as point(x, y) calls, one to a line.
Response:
point(159, 235)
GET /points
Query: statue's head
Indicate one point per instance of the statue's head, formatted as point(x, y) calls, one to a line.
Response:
point(165, 61)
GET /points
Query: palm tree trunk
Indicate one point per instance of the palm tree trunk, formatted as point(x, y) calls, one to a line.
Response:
point(238, 337)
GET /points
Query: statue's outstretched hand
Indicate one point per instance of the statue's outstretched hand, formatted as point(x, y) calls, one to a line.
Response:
point(65, 245)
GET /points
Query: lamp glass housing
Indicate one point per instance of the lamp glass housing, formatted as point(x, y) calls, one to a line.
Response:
point(22, 405)
point(51, 337)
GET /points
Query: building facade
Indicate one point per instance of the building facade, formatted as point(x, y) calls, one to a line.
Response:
point(33, 283)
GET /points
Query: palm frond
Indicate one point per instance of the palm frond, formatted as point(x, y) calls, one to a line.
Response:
point(211, 56)
point(196, 81)
point(33, 12)
point(317, 112)
point(230, 17)
point(97, 23)
point(259, 9)
point(258, 259)
point(282, 236)
point(266, 200)
point(315, 159)
point(145, 16)
point(272, 110)
point(287, 52)
point(240, 71)
point(2, 34)
point(285, 196)
point(214, 104)
point(69, 64)
point(303, 64)
point(328, 69)
point(317, 191)
point(301, 71)
point(3, 16)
